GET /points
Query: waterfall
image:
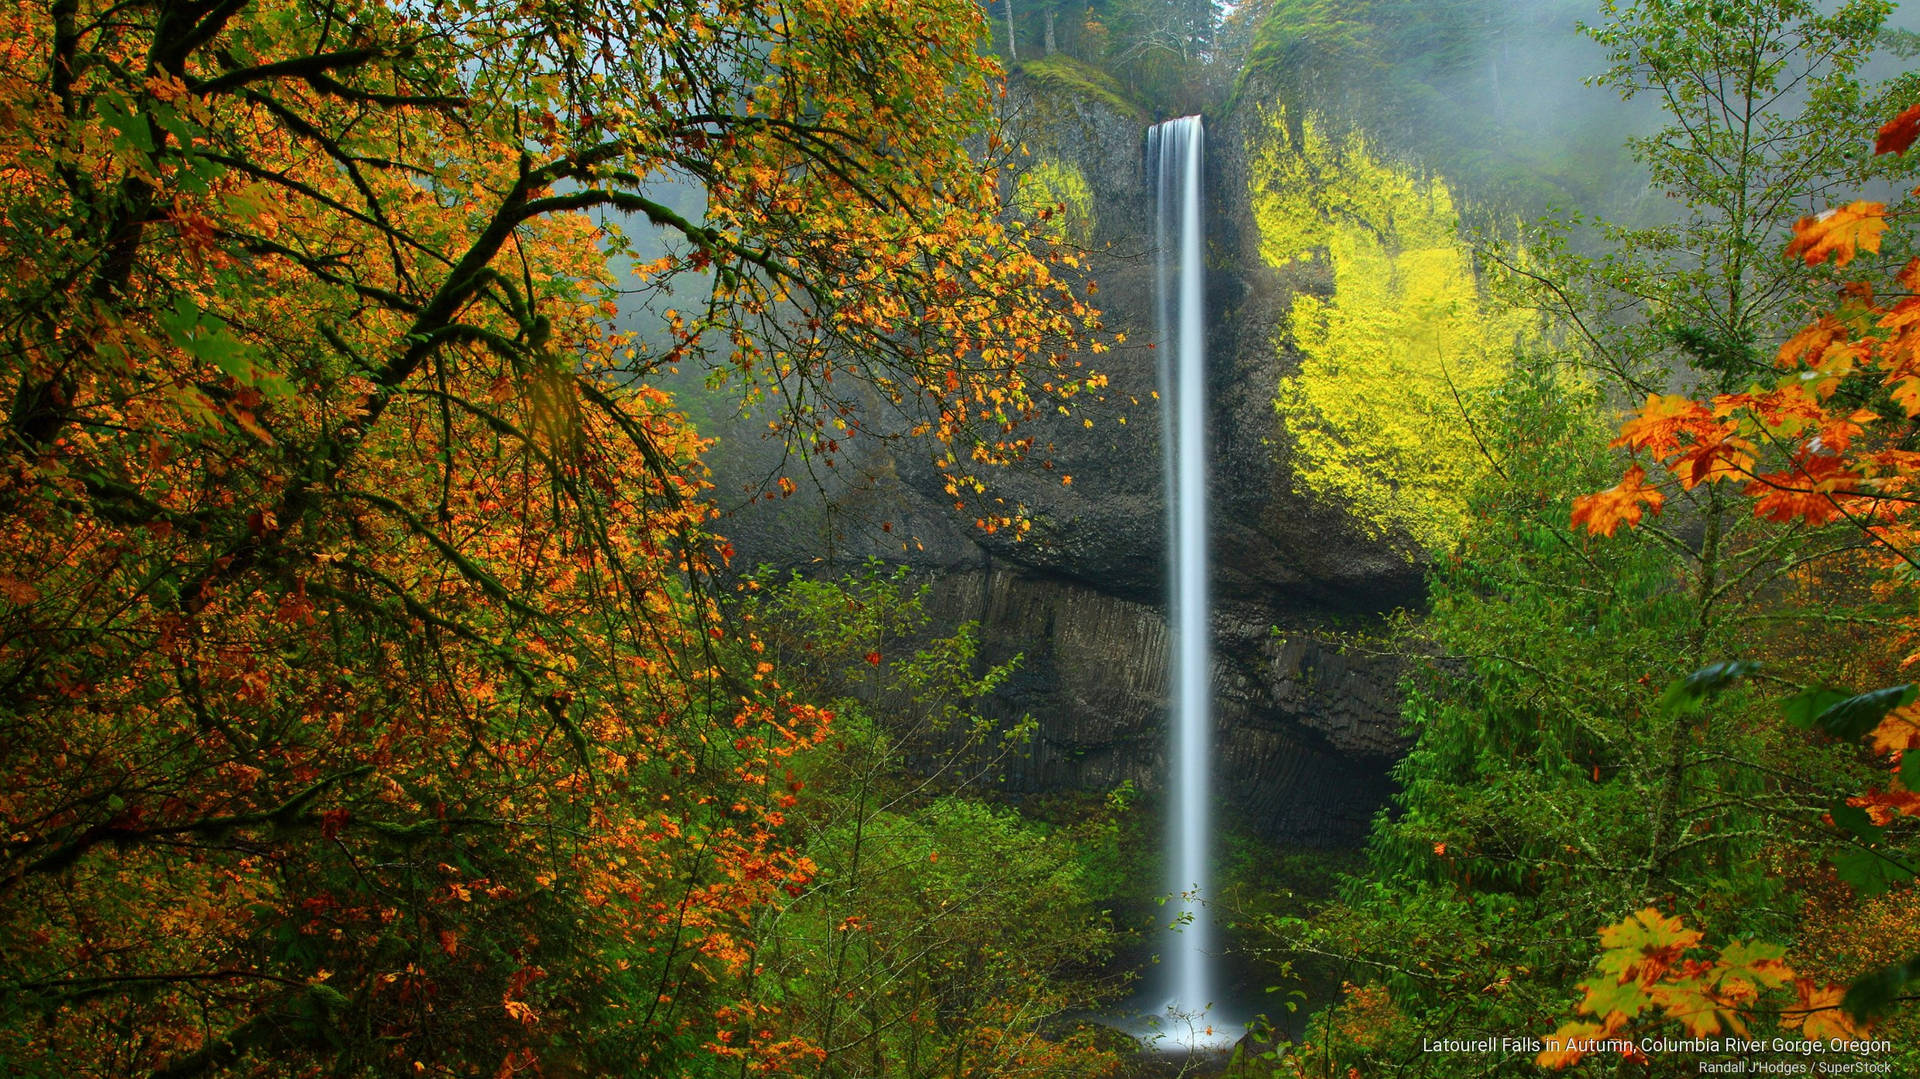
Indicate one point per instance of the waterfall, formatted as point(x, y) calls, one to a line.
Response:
point(1174, 150)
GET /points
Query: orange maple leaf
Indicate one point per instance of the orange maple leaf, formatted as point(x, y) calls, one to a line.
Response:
point(1839, 232)
point(1898, 732)
point(1898, 133)
point(1661, 422)
point(1557, 1054)
point(1699, 1007)
point(1604, 511)
point(1813, 490)
point(1711, 459)
point(1812, 341)
point(1819, 1015)
point(1904, 388)
point(1645, 946)
point(1900, 316)
point(1884, 806)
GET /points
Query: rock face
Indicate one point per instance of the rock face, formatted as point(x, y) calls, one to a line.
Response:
point(1306, 732)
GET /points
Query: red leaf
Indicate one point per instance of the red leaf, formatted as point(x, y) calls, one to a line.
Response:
point(1898, 133)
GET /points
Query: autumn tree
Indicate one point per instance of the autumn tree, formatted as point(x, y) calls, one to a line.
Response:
point(366, 710)
point(1556, 775)
point(1165, 53)
point(1402, 333)
point(1766, 111)
point(1821, 439)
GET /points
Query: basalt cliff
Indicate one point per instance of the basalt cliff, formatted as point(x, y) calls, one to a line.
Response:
point(1307, 715)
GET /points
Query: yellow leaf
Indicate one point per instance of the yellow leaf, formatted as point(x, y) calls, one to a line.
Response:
point(1898, 732)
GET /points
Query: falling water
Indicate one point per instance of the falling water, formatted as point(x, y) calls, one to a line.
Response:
point(1175, 149)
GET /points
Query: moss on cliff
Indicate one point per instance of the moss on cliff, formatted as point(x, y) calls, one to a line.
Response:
point(1063, 73)
point(1404, 339)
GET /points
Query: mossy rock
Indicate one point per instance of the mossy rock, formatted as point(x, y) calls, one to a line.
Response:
point(1063, 73)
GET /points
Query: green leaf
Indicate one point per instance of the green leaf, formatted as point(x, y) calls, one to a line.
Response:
point(1869, 872)
point(198, 172)
point(170, 119)
point(206, 337)
point(1857, 821)
point(1607, 994)
point(1759, 961)
point(1686, 694)
point(1874, 991)
point(1850, 720)
point(121, 116)
point(1805, 707)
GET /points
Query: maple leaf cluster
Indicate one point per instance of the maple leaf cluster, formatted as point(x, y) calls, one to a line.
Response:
point(1654, 964)
point(1826, 441)
point(1841, 461)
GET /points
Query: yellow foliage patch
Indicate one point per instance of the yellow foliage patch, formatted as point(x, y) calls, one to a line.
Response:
point(1390, 359)
point(1055, 197)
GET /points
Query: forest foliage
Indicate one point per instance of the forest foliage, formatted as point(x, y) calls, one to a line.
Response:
point(1482, 92)
point(1654, 732)
point(369, 708)
point(372, 706)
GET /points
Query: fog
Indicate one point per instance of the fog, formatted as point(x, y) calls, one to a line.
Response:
point(1498, 97)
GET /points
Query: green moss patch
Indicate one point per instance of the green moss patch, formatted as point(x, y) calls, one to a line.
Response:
point(1063, 73)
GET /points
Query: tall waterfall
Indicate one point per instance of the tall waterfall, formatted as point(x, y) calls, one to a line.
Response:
point(1174, 149)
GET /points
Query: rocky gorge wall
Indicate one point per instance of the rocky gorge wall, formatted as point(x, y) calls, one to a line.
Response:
point(1306, 729)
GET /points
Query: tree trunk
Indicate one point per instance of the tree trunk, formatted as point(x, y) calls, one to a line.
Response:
point(1672, 787)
